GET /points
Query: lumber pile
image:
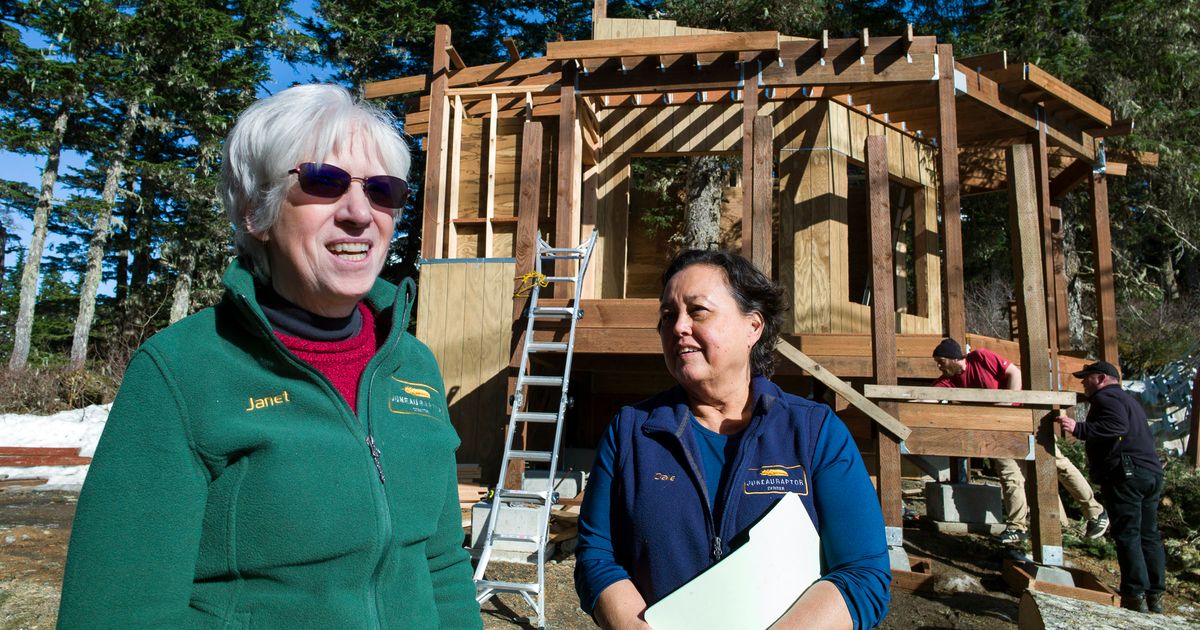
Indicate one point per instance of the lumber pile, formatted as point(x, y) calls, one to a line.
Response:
point(30, 456)
point(35, 456)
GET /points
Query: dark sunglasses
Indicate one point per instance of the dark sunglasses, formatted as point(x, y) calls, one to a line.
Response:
point(330, 182)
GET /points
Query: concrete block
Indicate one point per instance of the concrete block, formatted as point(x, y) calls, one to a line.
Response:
point(1053, 575)
point(515, 520)
point(567, 484)
point(899, 559)
point(926, 467)
point(963, 503)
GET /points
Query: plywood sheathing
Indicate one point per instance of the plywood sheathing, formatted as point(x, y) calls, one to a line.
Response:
point(466, 322)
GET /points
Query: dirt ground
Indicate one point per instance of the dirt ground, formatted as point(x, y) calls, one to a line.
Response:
point(969, 591)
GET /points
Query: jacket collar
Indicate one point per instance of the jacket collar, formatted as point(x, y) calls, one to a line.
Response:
point(672, 414)
point(239, 282)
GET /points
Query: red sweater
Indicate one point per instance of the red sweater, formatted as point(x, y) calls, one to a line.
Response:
point(342, 362)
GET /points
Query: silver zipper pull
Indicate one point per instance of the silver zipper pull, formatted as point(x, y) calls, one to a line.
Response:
point(716, 548)
point(375, 456)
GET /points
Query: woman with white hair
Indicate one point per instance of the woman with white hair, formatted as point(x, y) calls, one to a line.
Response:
point(284, 459)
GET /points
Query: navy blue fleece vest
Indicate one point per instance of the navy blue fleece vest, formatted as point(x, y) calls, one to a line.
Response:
point(662, 490)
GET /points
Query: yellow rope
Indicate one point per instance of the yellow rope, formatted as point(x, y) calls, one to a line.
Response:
point(528, 281)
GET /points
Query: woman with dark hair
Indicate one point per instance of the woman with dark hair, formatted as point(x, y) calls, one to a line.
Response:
point(283, 459)
point(682, 475)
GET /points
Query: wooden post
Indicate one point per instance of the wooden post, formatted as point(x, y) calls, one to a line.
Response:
point(1042, 180)
point(568, 172)
point(749, 166)
point(1028, 271)
point(883, 327)
point(760, 250)
point(956, 319)
point(525, 248)
point(1062, 319)
point(1106, 299)
point(434, 196)
point(528, 203)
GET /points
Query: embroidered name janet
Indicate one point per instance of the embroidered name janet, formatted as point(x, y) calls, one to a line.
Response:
point(268, 401)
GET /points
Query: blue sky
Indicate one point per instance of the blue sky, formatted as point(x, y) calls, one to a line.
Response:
point(28, 168)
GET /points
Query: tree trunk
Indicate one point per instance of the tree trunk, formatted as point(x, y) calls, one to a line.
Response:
point(702, 216)
point(91, 278)
point(3, 251)
point(181, 296)
point(31, 271)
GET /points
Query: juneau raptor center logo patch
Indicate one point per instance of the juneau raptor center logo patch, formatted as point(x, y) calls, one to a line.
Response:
point(777, 479)
point(411, 398)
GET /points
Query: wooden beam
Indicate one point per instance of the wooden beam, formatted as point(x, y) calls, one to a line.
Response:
point(1060, 90)
point(514, 53)
point(986, 62)
point(1122, 127)
point(751, 73)
point(544, 86)
point(397, 87)
point(883, 322)
point(1025, 398)
point(434, 197)
point(456, 61)
point(948, 174)
point(565, 207)
point(843, 389)
point(804, 71)
point(1024, 230)
point(764, 197)
point(1070, 177)
point(666, 45)
point(968, 443)
point(983, 90)
point(1106, 299)
point(963, 417)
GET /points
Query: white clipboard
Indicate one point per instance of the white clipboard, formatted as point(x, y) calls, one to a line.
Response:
point(754, 586)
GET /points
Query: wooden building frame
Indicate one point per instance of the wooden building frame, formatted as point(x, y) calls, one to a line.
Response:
point(545, 144)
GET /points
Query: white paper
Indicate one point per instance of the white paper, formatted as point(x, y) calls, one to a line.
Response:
point(756, 584)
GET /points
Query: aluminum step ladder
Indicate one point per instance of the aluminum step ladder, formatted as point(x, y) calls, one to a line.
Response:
point(506, 498)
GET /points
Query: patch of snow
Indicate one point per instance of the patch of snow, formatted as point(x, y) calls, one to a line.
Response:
point(77, 428)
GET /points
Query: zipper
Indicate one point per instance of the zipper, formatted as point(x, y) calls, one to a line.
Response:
point(698, 481)
point(380, 494)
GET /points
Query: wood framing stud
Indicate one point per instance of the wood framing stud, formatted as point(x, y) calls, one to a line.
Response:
point(749, 113)
point(435, 162)
point(566, 206)
point(764, 198)
point(948, 178)
point(1106, 300)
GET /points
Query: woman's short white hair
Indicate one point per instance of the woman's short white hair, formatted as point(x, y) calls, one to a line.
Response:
point(304, 123)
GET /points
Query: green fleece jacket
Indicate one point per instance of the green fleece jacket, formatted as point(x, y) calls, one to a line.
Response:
point(234, 488)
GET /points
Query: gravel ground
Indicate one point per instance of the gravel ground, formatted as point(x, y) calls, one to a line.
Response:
point(968, 590)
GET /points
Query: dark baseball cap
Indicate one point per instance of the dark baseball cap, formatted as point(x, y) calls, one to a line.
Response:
point(1099, 367)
